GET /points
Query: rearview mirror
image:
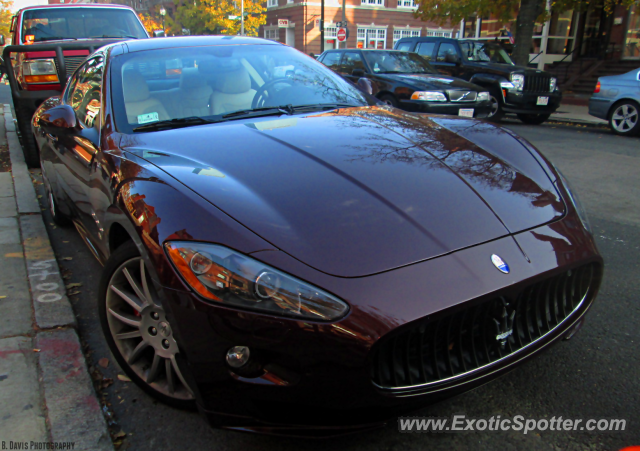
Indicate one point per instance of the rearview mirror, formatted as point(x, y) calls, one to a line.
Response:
point(158, 33)
point(357, 73)
point(60, 119)
point(1, 39)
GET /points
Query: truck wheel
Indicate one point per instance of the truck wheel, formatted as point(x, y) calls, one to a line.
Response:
point(533, 119)
point(495, 114)
point(389, 100)
point(31, 154)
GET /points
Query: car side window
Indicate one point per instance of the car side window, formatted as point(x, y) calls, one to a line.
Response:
point(404, 46)
point(352, 61)
point(332, 60)
point(84, 96)
point(447, 53)
point(425, 49)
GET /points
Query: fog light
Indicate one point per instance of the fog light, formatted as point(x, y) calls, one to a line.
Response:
point(238, 356)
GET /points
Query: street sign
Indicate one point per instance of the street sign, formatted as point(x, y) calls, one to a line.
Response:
point(283, 23)
point(342, 34)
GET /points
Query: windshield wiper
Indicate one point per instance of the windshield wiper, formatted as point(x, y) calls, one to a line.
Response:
point(55, 38)
point(114, 37)
point(174, 123)
point(264, 111)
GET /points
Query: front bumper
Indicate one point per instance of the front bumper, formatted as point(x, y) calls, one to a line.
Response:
point(317, 377)
point(526, 102)
point(481, 109)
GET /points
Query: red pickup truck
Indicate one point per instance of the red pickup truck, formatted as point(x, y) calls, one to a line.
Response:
point(49, 43)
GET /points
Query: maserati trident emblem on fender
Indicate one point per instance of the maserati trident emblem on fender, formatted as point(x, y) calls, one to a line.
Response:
point(500, 264)
point(504, 323)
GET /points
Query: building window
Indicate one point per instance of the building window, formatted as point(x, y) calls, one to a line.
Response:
point(373, 2)
point(272, 34)
point(372, 38)
point(404, 33)
point(407, 4)
point(439, 33)
point(271, 3)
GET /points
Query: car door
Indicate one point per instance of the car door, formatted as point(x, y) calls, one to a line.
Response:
point(77, 149)
point(447, 59)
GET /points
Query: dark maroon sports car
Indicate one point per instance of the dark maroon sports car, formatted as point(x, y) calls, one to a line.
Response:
point(293, 257)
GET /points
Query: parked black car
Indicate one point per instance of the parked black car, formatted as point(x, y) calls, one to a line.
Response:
point(407, 81)
point(530, 93)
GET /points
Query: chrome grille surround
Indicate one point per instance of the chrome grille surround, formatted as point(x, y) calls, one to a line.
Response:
point(466, 341)
point(462, 96)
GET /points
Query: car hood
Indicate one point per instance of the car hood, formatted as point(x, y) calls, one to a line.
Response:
point(430, 81)
point(359, 191)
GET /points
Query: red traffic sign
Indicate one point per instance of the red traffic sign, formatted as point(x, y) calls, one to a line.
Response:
point(342, 34)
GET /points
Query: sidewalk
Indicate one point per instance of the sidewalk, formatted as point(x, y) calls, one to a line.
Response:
point(46, 393)
point(574, 109)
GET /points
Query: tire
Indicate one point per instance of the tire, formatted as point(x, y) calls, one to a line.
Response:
point(496, 113)
point(140, 338)
point(29, 148)
point(389, 100)
point(533, 119)
point(624, 118)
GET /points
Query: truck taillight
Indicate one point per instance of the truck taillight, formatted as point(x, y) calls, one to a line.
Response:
point(40, 71)
point(597, 90)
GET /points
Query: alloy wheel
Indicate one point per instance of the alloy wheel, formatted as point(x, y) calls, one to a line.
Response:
point(624, 118)
point(495, 106)
point(141, 331)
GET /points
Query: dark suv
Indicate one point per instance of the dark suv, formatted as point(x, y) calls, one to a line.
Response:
point(530, 93)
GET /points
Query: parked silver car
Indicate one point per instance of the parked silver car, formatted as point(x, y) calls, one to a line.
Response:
point(617, 100)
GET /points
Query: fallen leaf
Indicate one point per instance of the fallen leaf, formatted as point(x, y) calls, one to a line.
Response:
point(119, 434)
point(65, 241)
point(123, 378)
point(67, 258)
point(73, 285)
point(36, 350)
point(74, 293)
point(2, 297)
point(103, 362)
point(40, 196)
point(107, 381)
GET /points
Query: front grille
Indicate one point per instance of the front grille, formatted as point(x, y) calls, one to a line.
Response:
point(462, 96)
point(71, 63)
point(470, 339)
point(537, 83)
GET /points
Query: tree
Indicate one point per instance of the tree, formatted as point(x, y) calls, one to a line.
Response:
point(212, 16)
point(150, 23)
point(5, 17)
point(453, 11)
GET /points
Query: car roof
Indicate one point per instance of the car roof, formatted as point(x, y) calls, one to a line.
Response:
point(76, 5)
point(138, 45)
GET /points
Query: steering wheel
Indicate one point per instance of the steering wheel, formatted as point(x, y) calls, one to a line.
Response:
point(262, 93)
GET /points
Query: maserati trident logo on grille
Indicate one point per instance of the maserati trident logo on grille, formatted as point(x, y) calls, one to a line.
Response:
point(504, 323)
point(500, 264)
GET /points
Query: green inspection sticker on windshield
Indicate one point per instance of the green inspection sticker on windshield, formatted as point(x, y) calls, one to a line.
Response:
point(146, 118)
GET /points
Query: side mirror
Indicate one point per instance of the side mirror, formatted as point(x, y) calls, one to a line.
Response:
point(358, 73)
point(1, 39)
point(60, 119)
point(158, 33)
point(451, 58)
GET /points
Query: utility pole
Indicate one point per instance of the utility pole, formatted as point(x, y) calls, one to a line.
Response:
point(242, 19)
point(321, 26)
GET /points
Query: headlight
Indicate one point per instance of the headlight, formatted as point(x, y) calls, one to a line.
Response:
point(575, 200)
point(518, 81)
point(552, 84)
point(40, 71)
point(429, 96)
point(483, 96)
point(507, 85)
point(227, 277)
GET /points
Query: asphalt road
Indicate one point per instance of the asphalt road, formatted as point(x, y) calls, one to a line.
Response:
point(594, 375)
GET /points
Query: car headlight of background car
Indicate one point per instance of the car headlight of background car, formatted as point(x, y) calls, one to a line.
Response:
point(575, 200)
point(40, 71)
point(429, 96)
point(552, 84)
point(518, 81)
point(222, 275)
point(483, 96)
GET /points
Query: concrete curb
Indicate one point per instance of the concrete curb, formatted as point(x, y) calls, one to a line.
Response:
point(577, 122)
point(73, 409)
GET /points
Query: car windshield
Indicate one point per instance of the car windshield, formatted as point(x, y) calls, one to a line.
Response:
point(484, 52)
point(80, 23)
point(183, 86)
point(397, 63)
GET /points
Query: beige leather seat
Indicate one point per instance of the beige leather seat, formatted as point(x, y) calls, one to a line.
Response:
point(232, 91)
point(137, 100)
point(194, 96)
